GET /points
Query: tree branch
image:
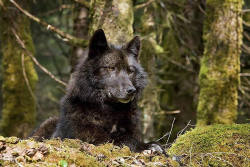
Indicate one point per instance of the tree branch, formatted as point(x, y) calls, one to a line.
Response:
point(246, 23)
point(246, 35)
point(26, 78)
point(64, 36)
point(84, 3)
point(64, 6)
point(143, 4)
point(35, 60)
point(245, 74)
point(245, 10)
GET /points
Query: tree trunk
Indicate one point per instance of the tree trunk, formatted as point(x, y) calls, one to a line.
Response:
point(19, 75)
point(115, 17)
point(220, 65)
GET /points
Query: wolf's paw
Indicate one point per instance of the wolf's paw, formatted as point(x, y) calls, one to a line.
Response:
point(153, 148)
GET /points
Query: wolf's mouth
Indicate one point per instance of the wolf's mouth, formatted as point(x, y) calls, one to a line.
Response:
point(125, 100)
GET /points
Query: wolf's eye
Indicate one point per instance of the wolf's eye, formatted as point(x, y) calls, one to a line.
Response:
point(110, 68)
point(107, 69)
point(131, 69)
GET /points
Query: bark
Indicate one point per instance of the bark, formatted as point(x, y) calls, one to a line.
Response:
point(19, 109)
point(220, 65)
point(115, 17)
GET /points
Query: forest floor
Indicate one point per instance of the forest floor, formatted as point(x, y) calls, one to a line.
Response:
point(217, 145)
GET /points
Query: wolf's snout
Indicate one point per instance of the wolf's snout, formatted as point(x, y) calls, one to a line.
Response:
point(131, 91)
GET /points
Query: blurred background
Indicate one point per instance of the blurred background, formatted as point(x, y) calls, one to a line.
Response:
point(172, 45)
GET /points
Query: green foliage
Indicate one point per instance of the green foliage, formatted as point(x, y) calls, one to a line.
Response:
point(63, 163)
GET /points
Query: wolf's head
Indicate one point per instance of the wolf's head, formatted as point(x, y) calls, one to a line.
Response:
point(110, 72)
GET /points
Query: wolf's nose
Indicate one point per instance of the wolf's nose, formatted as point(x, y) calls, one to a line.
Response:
point(131, 90)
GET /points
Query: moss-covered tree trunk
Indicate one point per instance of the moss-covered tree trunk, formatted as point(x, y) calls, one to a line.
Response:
point(220, 65)
point(115, 17)
point(18, 112)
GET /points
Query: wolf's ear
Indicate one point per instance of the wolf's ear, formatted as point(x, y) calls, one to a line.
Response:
point(134, 46)
point(98, 43)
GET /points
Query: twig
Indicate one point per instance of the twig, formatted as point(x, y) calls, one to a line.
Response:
point(57, 9)
point(163, 136)
point(180, 65)
point(35, 60)
point(64, 36)
point(26, 78)
point(246, 23)
point(181, 132)
point(202, 10)
point(170, 131)
point(245, 74)
point(84, 3)
point(20, 165)
point(144, 4)
point(163, 112)
point(245, 10)
point(247, 36)
point(28, 83)
point(246, 48)
point(190, 154)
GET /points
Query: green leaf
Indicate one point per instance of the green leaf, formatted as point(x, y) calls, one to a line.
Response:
point(63, 163)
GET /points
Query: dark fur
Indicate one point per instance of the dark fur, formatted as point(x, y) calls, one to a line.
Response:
point(101, 101)
point(46, 129)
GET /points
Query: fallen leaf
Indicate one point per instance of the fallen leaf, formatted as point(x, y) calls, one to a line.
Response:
point(30, 152)
point(43, 149)
point(38, 156)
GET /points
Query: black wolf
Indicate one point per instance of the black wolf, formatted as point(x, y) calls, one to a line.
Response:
point(101, 100)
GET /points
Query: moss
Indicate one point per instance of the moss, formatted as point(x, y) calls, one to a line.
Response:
point(115, 17)
point(220, 65)
point(74, 153)
point(18, 103)
point(214, 145)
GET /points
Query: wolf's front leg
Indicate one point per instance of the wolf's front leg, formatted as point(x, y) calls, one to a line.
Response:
point(136, 145)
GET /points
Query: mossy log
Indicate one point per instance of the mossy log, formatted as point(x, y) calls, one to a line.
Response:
point(220, 64)
point(19, 75)
point(214, 145)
